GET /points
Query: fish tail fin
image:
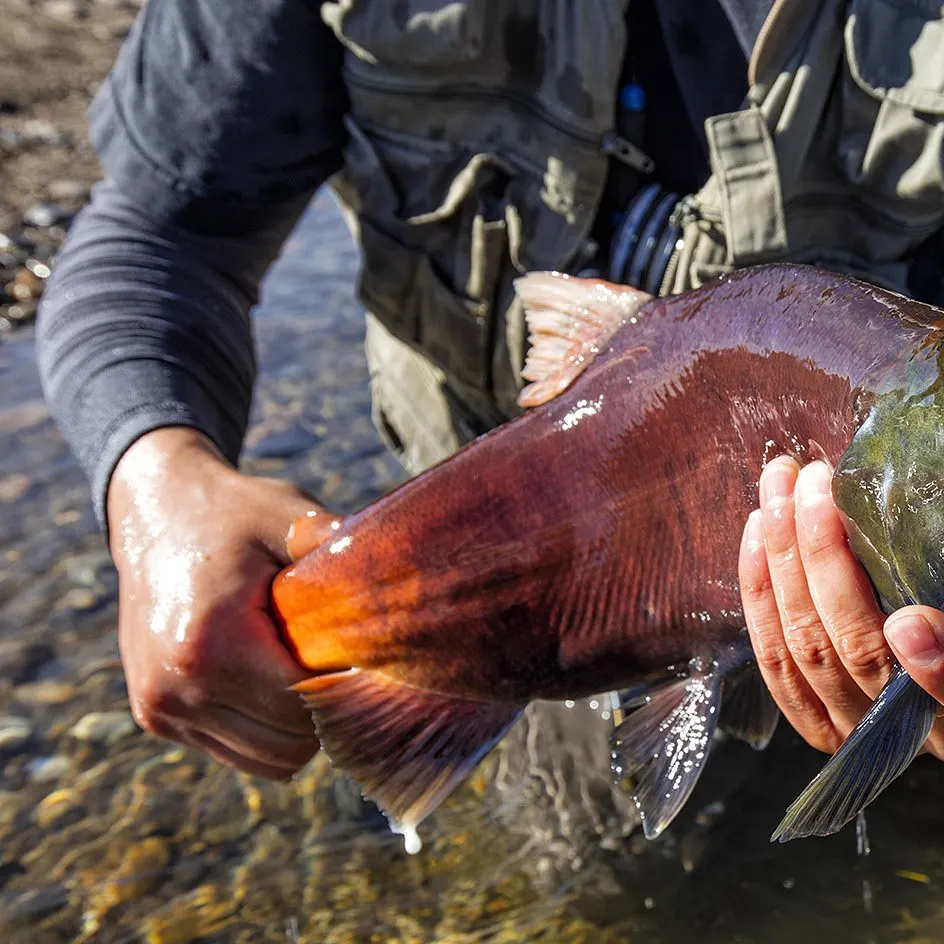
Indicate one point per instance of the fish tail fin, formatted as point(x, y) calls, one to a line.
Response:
point(569, 321)
point(880, 747)
point(406, 748)
point(663, 745)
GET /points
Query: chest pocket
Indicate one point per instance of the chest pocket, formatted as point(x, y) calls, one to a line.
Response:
point(475, 154)
point(892, 140)
point(430, 218)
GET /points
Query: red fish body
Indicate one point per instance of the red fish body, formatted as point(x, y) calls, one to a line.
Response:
point(590, 544)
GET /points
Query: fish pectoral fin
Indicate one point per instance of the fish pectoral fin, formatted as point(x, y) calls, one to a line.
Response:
point(569, 321)
point(663, 745)
point(749, 711)
point(406, 748)
point(880, 747)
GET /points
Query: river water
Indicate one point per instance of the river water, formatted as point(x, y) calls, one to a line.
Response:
point(109, 835)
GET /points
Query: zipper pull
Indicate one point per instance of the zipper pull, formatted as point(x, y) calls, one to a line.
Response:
point(615, 146)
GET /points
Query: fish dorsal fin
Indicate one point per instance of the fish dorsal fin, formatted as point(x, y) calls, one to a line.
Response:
point(663, 745)
point(570, 320)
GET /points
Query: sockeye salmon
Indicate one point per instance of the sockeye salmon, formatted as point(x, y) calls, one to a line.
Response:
point(591, 544)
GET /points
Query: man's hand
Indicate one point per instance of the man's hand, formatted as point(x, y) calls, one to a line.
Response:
point(823, 645)
point(196, 545)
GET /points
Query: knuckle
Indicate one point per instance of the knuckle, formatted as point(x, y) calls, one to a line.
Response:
point(773, 657)
point(865, 654)
point(755, 586)
point(809, 646)
point(149, 719)
point(196, 658)
point(155, 700)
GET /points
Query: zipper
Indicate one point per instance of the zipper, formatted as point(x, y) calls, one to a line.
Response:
point(608, 143)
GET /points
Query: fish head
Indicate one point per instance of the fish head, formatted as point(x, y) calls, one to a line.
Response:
point(889, 488)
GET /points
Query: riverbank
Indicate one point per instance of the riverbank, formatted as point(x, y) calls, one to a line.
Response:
point(53, 57)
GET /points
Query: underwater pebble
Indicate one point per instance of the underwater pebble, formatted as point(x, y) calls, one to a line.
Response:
point(14, 732)
point(140, 871)
point(20, 662)
point(67, 189)
point(14, 487)
point(45, 692)
point(78, 598)
point(9, 806)
point(104, 727)
point(51, 807)
point(45, 214)
point(45, 769)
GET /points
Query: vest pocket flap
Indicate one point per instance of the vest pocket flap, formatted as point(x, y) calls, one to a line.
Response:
point(403, 288)
point(410, 33)
point(895, 50)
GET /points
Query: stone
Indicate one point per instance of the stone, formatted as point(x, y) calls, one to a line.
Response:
point(77, 599)
point(104, 727)
point(45, 692)
point(14, 487)
point(44, 214)
point(21, 661)
point(14, 732)
point(46, 769)
point(67, 189)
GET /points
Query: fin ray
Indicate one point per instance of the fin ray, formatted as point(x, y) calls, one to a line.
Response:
point(664, 745)
point(569, 321)
point(406, 748)
point(879, 749)
point(749, 712)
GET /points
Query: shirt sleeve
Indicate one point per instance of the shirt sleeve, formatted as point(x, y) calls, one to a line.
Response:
point(216, 126)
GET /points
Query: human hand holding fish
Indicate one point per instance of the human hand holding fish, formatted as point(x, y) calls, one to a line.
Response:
point(591, 544)
point(815, 625)
point(196, 545)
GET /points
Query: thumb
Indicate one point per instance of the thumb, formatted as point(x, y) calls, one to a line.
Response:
point(309, 531)
point(916, 635)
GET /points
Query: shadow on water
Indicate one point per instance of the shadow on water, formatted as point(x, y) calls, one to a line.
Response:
point(108, 835)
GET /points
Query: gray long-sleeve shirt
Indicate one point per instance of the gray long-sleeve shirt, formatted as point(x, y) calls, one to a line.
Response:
point(218, 123)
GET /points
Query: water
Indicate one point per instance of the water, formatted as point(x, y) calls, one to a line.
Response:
point(108, 835)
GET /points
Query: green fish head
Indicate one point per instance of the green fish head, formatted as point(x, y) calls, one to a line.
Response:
point(889, 487)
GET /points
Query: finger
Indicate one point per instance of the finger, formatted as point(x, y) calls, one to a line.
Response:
point(840, 589)
point(241, 658)
point(916, 636)
point(792, 693)
point(805, 635)
point(218, 751)
point(261, 743)
point(309, 531)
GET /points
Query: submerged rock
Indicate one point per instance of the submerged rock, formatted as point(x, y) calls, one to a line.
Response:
point(14, 733)
point(104, 727)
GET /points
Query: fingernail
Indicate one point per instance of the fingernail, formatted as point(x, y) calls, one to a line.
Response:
point(754, 532)
point(777, 482)
point(914, 639)
point(813, 483)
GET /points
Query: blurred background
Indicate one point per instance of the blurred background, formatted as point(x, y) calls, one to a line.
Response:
point(109, 835)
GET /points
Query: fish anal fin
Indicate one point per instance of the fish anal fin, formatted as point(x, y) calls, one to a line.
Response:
point(406, 748)
point(570, 320)
point(663, 745)
point(879, 749)
point(749, 712)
